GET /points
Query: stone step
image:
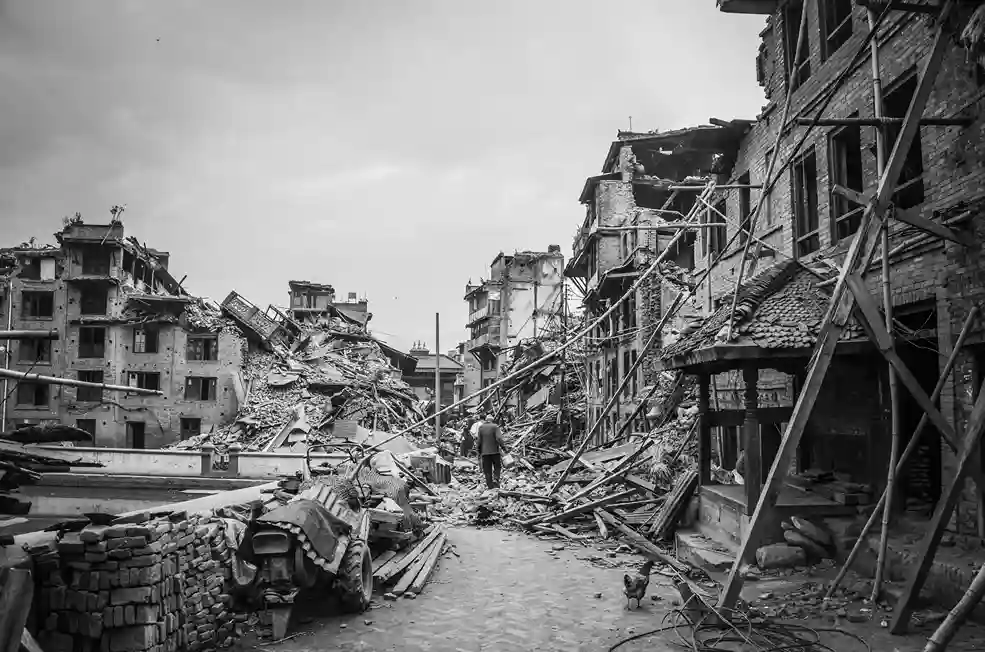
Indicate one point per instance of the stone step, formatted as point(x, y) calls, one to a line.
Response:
point(715, 532)
point(699, 550)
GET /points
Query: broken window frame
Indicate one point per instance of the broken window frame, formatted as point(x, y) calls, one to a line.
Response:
point(804, 197)
point(146, 340)
point(144, 380)
point(198, 348)
point(33, 395)
point(91, 346)
point(34, 351)
point(90, 394)
point(844, 154)
point(791, 28)
point(910, 191)
point(201, 388)
point(190, 427)
point(96, 261)
point(37, 305)
point(90, 304)
point(837, 25)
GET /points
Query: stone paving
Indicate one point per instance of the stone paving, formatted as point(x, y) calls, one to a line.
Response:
point(509, 592)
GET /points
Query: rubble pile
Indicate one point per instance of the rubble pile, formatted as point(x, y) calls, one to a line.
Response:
point(159, 585)
point(326, 377)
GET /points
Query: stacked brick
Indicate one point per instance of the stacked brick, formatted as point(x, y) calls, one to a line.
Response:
point(158, 586)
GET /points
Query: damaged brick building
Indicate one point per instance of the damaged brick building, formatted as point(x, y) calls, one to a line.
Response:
point(802, 234)
point(122, 319)
point(522, 299)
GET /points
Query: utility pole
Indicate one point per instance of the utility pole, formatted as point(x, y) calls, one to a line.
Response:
point(437, 378)
point(564, 356)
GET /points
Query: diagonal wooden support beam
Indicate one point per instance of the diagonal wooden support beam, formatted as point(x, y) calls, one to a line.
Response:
point(872, 322)
point(913, 218)
point(842, 304)
point(853, 196)
point(945, 507)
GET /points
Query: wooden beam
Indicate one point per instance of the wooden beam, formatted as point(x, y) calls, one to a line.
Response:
point(753, 472)
point(842, 304)
point(914, 219)
point(879, 5)
point(704, 429)
point(869, 312)
point(640, 542)
point(853, 196)
point(945, 507)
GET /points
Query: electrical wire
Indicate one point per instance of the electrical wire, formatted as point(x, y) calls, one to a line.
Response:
point(715, 633)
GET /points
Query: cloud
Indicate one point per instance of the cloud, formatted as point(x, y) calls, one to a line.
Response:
point(345, 181)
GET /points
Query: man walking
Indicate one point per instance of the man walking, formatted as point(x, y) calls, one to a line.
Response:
point(490, 451)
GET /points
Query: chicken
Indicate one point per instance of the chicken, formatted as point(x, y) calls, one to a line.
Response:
point(635, 584)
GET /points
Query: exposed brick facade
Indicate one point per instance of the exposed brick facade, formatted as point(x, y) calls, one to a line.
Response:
point(947, 276)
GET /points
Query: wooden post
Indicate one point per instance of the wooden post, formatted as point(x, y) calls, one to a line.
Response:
point(437, 379)
point(753, 473)
point(704, 429)
point(945, 507)
point(842, 303)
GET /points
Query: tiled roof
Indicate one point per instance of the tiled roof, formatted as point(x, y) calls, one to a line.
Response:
point(781, 308)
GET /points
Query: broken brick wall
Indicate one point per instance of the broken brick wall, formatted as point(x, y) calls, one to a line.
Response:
point(160, 586)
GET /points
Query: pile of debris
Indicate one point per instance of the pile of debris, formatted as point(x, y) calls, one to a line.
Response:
point(293, 397)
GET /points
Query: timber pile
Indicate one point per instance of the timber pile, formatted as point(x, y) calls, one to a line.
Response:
point(408, 571)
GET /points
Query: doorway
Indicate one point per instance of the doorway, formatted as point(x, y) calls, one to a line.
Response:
point(135, 434)
point(920, 481)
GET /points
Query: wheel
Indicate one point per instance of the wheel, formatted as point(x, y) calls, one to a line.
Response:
point(355, 578)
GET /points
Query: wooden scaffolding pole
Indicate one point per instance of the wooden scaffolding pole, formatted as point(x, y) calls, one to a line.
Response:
point(842, 304)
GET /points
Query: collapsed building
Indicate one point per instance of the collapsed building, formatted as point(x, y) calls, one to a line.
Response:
point(126, 320)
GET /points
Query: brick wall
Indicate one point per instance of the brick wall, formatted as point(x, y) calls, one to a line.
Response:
point(159, 586)
point(952, 159)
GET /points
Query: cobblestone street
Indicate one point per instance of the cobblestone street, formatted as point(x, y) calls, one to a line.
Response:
point(504, 592)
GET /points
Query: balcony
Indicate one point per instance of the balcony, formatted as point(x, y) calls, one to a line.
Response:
point(490, 339)
point(477, 314)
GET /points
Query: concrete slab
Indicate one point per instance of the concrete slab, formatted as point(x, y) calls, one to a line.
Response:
point(698, 550)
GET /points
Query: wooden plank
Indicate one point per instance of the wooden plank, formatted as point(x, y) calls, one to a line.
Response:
point(842, 303)
point(581, 509)
point(427, 570)
point(383, 558)
point(913, 218)
point(395, 566)
point(28, 644)
point(675, 504)
point(603, 530)
point(415, 569)
point(639, 542)
point(853, 196)
point(945, 507)
point(16, 598)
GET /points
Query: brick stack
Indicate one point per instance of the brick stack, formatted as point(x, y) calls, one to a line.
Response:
point(157, 585)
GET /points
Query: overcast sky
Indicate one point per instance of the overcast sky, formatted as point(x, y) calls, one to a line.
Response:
point(387, 148)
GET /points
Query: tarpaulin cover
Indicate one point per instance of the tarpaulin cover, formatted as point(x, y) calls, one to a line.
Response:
point(321, 527)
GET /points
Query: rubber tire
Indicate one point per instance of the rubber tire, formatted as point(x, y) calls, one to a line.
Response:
point(355, 578)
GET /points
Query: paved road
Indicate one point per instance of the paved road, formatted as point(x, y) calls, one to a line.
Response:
point(504, 593)
point(509, 592)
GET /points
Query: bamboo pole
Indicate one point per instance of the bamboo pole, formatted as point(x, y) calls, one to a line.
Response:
point(801, 36)
point(887, 307)
point(68, 382)
point(910, 447)
point(940, 639)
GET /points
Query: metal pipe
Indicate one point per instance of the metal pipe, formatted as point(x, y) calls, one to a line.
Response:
point(29, 335)
point(68, 382)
